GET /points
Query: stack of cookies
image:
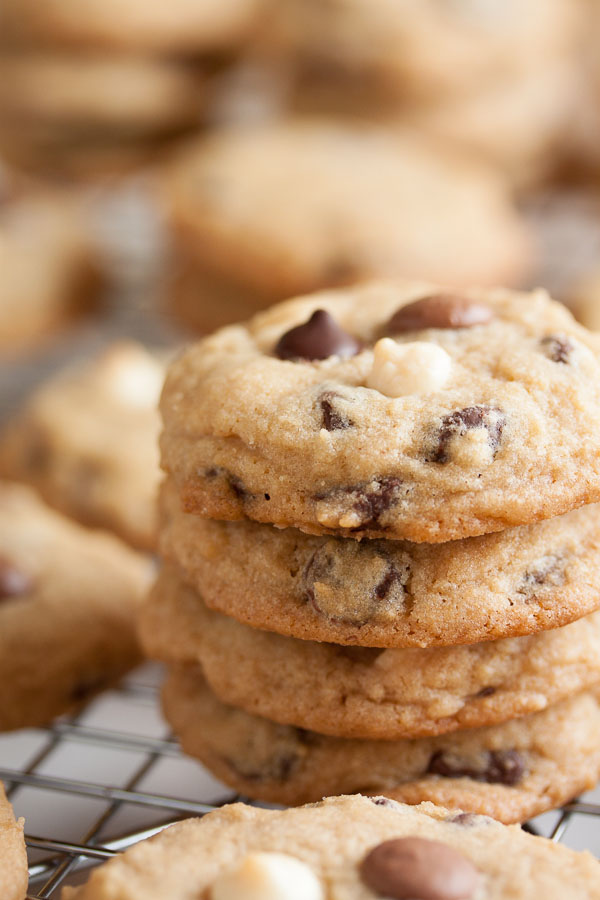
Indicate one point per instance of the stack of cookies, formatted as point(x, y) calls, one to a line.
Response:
point(382, 553)
point(99, 86)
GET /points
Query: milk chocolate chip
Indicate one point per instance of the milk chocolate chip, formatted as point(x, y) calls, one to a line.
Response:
point(319, 338)
point(439, 311)
point(414, 868)
point(13, 581)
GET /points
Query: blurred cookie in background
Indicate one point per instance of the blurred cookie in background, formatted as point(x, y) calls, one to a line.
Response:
point(87, 440)
point(407, 49)
point(263, 213)
point(51, 275)
point(495, 77)
point(69, 600)
point(90, 113)
point(93, 89)
point(186, 27)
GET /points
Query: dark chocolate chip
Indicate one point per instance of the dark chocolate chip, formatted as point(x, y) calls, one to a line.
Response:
point(14, 582)
point(439, 311)
point(557, 348)
point(466, 820)
point(486, 692)
point(495, 767)
point(370, 499)
point(86, 687)
point(232, 480)
point(414, 868)
point(333, 418)
point(319, 338)
point(457, 423)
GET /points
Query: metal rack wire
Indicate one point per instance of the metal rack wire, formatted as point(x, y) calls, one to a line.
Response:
point(56, 862)
point(103, 757)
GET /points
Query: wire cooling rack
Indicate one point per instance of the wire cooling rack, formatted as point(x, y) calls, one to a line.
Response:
point(95, 783)
point(92, 784)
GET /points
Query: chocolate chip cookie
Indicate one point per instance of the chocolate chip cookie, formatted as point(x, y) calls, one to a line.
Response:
point(13, 857)
point(183, 26)
point(350, 848)
point(389, 410)
point(249, 227)
point(511, 771)
point(50, 273)
point(389, 593)
point(87, 441)
point(68, 600)
point(364, 692)
point(419, 50)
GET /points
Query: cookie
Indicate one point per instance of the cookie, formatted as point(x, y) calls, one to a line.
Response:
point(350, 848)
point(394, 410)
point(13, 856)
point(37, 300)
point(82, 103)
point(363, 692)
point(416, 50)
point(183, 26)
point(517, 123)
point(240, 209)
point(68, 600)
point(511, 771)
point(87, 441)
point(389, 593)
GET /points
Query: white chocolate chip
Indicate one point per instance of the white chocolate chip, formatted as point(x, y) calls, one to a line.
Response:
point(136, 382)
point(418, 367)
point(268, 876)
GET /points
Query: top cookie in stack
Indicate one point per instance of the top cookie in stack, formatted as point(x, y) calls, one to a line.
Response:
point(430, 451)
point(388, 411)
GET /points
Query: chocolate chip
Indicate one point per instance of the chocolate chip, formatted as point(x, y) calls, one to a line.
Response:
point(233, 482)
point(557, 348)
point(14, 582)
point(278, 768)
point(319, 338)
point(369, 500)
point(494, 767)
point(384, 801)
point(547, 571)
point(87, 687)
point(333, 418)
point(439, 311)
point(466, 820)
point(414, 868)
point(486, 692)
point(355, 583)
point(457, 423)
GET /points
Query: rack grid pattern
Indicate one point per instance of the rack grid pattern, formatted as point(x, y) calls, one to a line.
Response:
point(55, 862)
